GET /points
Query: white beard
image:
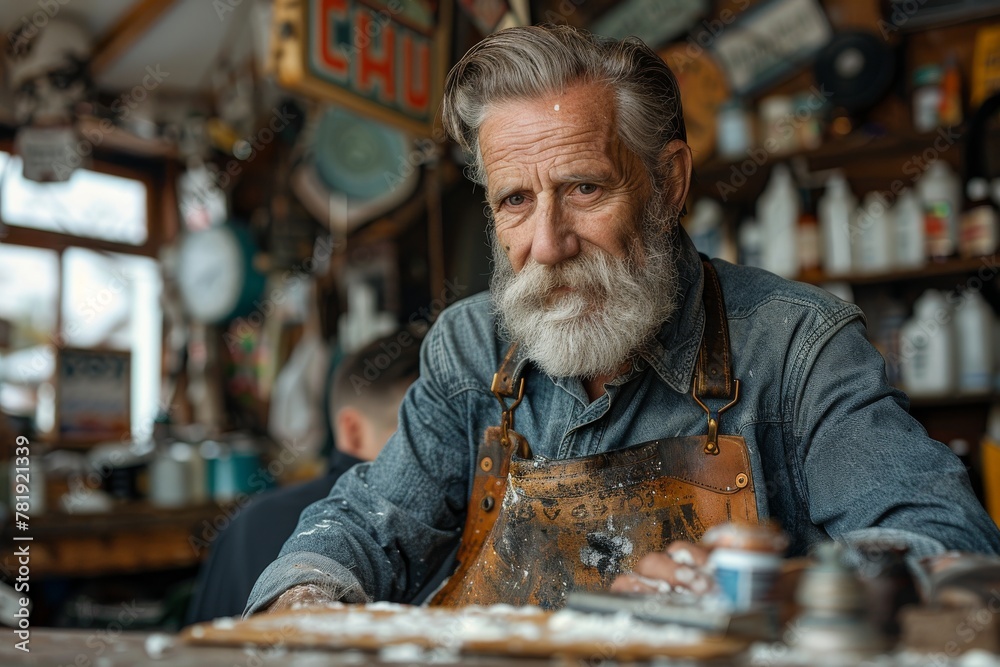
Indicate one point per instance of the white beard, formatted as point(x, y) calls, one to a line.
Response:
point(615, 305)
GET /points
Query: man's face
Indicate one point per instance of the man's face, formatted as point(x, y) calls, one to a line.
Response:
point(559, 180)
point(585, 271)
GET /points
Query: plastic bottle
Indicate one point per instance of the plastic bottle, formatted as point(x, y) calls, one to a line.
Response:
point(927, 95)
point(733, 135)
point(910, 245)
point(979, 228)
point(872, 235)
point(835, 209)
point(751, 242)
point(704, 225)
point(927, 348)
point(941, 193)
point(974, 321)
point(778, 213)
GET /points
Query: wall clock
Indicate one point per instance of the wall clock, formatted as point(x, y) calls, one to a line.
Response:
point(215, 274)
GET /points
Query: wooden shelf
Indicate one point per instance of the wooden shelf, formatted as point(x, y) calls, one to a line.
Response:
point(952, 267)
point(952, 401)
point(870, 163)
point(855, 147)
point(134, 537)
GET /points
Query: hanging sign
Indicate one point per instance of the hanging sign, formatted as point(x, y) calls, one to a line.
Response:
point(652, 21)
point(384, 59)
point(769, 41)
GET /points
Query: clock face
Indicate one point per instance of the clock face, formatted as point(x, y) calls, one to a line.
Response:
point(211, 273)
point(703, 90)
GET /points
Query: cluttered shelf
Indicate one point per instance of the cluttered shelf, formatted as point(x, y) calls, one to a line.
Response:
point(857, 147)
point(886, 163)
point(135, 537)
point(951, 267)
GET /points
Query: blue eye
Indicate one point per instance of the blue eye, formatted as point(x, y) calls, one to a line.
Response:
point(515, 200)
point(587, 188)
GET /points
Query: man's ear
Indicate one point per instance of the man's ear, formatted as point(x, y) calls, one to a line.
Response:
point(349, 433)
point(677, 164)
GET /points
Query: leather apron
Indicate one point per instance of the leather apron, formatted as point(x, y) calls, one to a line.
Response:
point(576, 524)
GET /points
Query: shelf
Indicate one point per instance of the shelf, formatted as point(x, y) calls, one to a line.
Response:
point(884, 163)
point(134, 537)
point(952, 267)
point(952, 401)
point(856, 147)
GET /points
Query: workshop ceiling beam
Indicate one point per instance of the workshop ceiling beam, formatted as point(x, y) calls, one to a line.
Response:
point(126, 31)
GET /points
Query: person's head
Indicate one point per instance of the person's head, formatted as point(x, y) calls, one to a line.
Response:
point(579, 142)
point(368, 387)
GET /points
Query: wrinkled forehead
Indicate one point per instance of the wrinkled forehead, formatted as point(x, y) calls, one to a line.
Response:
point(576, 124)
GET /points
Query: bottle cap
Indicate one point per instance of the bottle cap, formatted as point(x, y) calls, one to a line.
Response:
point(977, 188)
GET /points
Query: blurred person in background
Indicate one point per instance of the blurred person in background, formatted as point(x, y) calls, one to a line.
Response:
point(363, 402)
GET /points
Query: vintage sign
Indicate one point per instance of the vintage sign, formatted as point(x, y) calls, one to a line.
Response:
point(384, 59)
point(652, 21)
point(93, 395)
point(769, 41)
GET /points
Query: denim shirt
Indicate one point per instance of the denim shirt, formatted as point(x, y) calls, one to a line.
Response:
point(833, 450)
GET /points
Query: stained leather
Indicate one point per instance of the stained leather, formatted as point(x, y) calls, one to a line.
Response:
point(576, 524)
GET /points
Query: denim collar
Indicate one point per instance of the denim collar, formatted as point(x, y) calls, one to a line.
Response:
point(673, 351)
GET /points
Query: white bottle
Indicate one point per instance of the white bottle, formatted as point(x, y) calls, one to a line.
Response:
point(751, 243)
point(705, 226)
point(778, 214)
point(910, 250)
point(941, 193)
point(927, 348)
point(873, 242)
point(974, 322)
point(835, 209)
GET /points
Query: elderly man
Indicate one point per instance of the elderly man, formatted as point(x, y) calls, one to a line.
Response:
point(614, 393)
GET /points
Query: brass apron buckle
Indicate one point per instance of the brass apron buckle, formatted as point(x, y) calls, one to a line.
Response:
point(712, 444)
point(507, 416)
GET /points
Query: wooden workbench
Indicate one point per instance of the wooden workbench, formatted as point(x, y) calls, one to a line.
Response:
point(60, 648)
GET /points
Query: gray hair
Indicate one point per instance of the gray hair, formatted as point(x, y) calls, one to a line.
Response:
point(531, 61)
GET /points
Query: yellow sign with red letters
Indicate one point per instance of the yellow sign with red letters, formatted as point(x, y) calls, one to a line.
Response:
point(384, 59)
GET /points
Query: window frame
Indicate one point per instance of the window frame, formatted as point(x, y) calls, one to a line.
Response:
point(158, 176)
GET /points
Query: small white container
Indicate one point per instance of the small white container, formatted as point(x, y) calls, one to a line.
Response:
point(751, 242)
point(734, 135)
point(745, 579)
point(910, 250)
point(974, 322)
point(927, 348)
point(941, 192)
point(873, 239)
point(778, 213)
point(979, 228)
point(835, 209)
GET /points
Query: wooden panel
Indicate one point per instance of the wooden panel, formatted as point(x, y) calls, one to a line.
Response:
point(132, 538)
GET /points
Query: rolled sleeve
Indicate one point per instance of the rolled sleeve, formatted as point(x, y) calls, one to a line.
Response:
point(300, 568)
point(389, 526)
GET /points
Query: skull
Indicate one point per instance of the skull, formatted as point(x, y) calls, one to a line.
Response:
point(47, 71)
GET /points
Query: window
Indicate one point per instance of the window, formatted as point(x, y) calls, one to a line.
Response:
point(78, 294)
point(91, 204)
